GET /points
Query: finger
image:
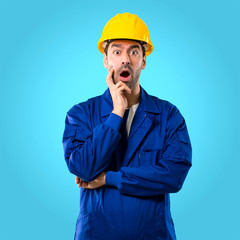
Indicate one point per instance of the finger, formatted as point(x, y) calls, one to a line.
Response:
point(77, 179)
point(109, 79)
point(84, 184)
point(120, 84)
point(124, 88)
point(80, 183)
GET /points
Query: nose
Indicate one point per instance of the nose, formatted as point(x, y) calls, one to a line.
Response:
point(125, 59)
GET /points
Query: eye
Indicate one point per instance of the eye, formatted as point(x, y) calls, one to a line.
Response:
point(134, 52)
point(116, 52)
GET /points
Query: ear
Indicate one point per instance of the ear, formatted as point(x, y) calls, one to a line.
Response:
point(144, 62)
point(105, 61)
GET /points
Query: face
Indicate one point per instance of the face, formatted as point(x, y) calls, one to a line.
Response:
point(126, 58)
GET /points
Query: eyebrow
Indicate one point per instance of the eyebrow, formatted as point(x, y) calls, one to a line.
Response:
point(119, 45)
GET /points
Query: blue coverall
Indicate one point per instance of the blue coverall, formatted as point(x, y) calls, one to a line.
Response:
point(134, 204)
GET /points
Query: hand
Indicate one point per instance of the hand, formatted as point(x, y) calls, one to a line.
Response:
point(120, 102)
point(98, 182)
point(78, 181)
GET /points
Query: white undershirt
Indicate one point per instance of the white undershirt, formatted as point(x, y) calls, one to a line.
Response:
point(131, 114)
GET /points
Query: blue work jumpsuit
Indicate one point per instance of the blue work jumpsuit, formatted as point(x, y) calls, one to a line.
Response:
point(134, 204)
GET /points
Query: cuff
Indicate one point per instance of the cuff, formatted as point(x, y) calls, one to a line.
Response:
point(114, 121)
point(112, 178)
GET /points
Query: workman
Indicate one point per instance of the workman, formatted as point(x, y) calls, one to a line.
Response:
point(127, 149)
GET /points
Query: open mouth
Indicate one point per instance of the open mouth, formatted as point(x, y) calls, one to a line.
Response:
point(125, 73)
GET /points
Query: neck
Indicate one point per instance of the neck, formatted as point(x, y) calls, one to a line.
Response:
point(134, 97)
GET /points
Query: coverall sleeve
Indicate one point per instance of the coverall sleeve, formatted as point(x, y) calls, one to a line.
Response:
point(168, 175)
point(87, 151)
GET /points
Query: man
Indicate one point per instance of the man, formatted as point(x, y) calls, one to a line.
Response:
point(126, 168)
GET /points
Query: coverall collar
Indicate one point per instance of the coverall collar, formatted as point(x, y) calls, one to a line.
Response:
point(146, 103)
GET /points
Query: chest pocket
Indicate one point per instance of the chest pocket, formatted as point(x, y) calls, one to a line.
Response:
point(149, 156)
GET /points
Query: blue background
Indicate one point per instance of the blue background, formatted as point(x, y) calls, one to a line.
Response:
point(50, 61)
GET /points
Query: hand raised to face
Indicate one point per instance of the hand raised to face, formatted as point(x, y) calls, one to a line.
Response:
point(117, 90)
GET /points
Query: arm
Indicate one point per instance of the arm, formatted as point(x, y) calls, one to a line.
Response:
point(88, 151)
point(165, 177)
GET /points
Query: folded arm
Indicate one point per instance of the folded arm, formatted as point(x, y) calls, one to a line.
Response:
point(168, 175)
point(88, 152)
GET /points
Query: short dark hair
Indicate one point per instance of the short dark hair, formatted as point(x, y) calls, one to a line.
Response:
point(111, 40)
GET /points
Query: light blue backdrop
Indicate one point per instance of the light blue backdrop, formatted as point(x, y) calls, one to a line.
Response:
point(49, 62)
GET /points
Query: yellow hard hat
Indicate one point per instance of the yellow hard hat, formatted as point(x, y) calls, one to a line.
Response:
point(126, 26)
